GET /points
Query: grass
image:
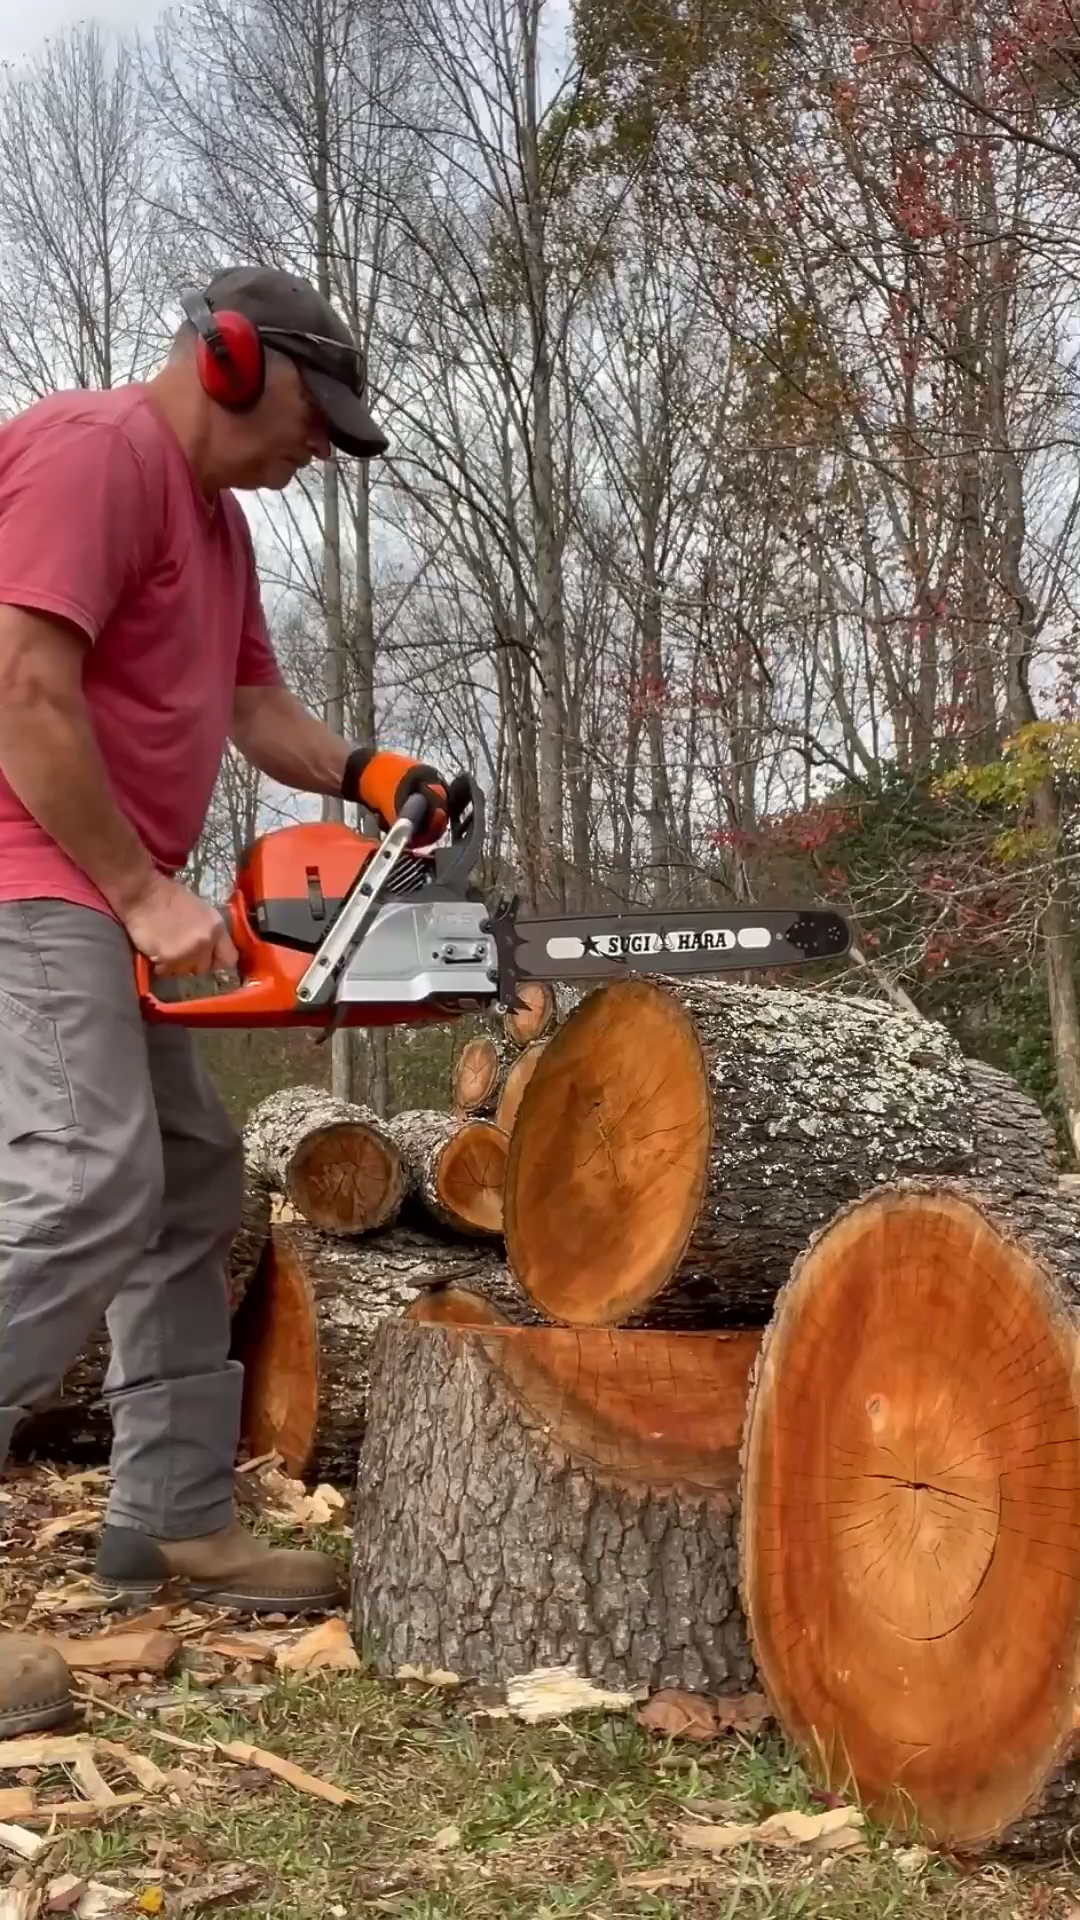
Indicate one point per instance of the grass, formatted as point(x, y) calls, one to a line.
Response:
point(548, 1822)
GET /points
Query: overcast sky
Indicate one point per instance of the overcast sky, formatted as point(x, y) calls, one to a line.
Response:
point(23, 27)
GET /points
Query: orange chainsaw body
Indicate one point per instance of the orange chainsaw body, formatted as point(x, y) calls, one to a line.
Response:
point(288, 888)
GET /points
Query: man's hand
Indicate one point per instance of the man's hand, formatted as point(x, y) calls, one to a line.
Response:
point(178, 932)
point(382, 781)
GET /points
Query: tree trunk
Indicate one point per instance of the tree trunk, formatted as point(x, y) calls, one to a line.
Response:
point(336, 1162)
point(75, 1424)
point(455, 1168)
point(625, 1197)
point(911, 1512)
point(308, 1325)
point(543, 1496)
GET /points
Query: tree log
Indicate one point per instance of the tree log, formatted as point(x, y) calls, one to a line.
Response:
point(455, 1169)
point(308, 1324)
point(627, 1200)
point(911, 1512)
point(542, 1005)
point(336, 1162)
point(75, 1425)
point(514, 1085)
point(477, 1075)
point(532, 1497)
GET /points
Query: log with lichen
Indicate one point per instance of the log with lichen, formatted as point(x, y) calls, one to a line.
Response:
point(332, 1159)
point(679, 1142)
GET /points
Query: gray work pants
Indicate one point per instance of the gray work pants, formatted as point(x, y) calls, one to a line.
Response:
point(120, 1191)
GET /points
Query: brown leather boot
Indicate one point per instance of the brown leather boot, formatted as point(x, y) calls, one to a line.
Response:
point(35, 1686)
point(233, 1568)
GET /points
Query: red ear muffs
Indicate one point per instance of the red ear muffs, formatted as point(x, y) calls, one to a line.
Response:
point(229, 355)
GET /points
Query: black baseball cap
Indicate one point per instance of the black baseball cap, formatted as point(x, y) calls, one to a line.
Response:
point(295, 320)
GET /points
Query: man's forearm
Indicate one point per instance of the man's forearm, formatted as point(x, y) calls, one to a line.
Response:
point(273, 730)
point(50, 758)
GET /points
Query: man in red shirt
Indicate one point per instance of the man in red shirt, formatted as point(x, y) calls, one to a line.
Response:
point(132, 648)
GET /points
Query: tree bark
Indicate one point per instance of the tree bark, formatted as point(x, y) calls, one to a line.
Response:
point(75, 1424)
point(544, 1496)
point(455, 1168)
point(336, 1162)
point(307, 1328)
point(670, 1214)
point(910, 1527)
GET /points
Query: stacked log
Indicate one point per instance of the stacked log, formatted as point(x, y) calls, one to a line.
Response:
point(678, 1145)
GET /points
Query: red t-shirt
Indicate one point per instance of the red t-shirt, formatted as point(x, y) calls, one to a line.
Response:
point(101, 521)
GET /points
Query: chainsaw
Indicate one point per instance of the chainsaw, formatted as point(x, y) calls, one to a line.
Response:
point(335, 930)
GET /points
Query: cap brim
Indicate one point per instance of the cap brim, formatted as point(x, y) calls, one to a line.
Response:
point(348, 422)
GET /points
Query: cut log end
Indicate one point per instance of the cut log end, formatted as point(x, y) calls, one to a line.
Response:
point(608, 1157)
point(533, 1015)
point(911, 1563)
point(476, 1076)
point(517, 1080)
point(346, 1179)
point(470, 1177)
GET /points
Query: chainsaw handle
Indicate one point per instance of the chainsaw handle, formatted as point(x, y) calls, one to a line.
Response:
point(237, 999)
point(465, 804)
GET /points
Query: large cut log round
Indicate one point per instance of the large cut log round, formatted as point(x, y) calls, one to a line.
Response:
point(307, 1328)
point(911, 1512)
point(609, 1157)
point(335, 1161)
point(544, 1496)
point(74, 1425)
point(623, 1201)
point(455, 1168)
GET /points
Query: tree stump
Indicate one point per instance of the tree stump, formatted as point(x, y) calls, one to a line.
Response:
point(335, 1162)
point(75, 1425)
point(632, 1197)
point(455, 1169)
point(911, 1512)
point(542, 1496)
point(308, 1325)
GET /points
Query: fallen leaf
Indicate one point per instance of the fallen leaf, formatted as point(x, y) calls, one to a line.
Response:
point(286, 1770)
point(19, 1840)
point(150, 1900)
point(145, 1771)
point(95, 1787)
point(785, 1829)
point(327, 1645)
point(62, 1895)
point(260, 1643)
point(65, 1523)
point(99, 1900)
point(152, 1652)
point(655, 1879)
point(431, 1676)
point(912, 1860)
point(446, 1839)
point(74, 1596)
point(701, 1716)
point(221, 1889)
point(548, 1693)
